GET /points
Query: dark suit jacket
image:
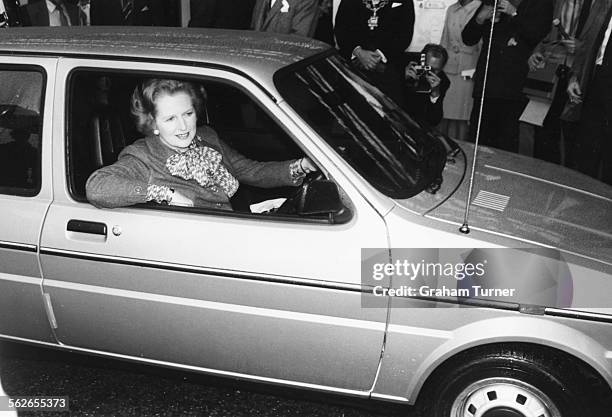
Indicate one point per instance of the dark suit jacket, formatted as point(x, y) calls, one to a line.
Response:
point(299, 18)
point(420, 106)
point(508, 64)
point(592, 36)
point(392, 36)
point(37, 14)
point(224, 14)
point(109, 13)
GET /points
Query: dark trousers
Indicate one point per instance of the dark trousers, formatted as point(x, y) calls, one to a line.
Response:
point(594, 143)
point(500, 122)
point(547, 144)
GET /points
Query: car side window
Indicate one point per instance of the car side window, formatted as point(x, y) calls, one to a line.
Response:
point(21, 98)
point(100, 126)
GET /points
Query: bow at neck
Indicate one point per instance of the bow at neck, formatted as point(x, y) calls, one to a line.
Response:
point(203, 164)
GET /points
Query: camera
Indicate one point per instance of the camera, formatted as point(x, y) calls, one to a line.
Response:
point(422, 85)
point(422, 68)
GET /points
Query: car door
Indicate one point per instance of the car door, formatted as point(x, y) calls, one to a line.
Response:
point(246, 296)
point(26, 111)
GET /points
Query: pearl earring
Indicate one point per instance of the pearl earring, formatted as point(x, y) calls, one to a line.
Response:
point(156, 132)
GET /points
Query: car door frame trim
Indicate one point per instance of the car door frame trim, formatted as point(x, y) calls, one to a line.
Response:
point(24, 247)
point(203, 270)
point(308, 282)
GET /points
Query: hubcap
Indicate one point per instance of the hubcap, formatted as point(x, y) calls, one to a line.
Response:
point(503, 397)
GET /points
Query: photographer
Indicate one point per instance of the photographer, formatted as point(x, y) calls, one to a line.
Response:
point(518, 28)
point(427, 84)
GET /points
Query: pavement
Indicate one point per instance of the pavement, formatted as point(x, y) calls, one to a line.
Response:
point(107, 387)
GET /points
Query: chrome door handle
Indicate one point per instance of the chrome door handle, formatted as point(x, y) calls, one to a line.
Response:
point(82, 226)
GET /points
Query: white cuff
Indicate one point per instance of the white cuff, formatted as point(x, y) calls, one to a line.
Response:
point(383, 58)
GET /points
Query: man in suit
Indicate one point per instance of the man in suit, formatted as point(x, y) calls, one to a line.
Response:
point(426, 104)
point(285, 16)
point(127, 12)
point(50, 13)
point(374, 34)
point(570, 18)
point(518, 27)
point(591, 87)
point(223, 14)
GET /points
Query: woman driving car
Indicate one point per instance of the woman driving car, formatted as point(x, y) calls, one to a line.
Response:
point(178, 163)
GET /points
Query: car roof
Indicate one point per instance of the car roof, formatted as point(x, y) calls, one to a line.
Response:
point(258, 54)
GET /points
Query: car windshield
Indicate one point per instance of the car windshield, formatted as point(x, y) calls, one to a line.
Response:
point(394, 152)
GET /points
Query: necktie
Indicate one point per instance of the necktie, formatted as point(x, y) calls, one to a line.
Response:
point(266, 11)
point(127, 9)
point(61, 10)
point(608, 52)
point(602, 35)
point(584, 14)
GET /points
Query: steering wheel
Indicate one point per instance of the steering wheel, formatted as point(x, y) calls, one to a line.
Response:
point(290, 206)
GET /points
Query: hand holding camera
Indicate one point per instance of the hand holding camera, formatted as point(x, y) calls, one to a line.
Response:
point(421, 76)
point(414, 71)
point(434, 82)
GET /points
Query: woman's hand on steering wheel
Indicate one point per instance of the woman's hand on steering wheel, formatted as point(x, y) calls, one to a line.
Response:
point(307, 165)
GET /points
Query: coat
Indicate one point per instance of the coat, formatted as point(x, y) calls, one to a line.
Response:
point(297, 17)
point(144, 162)
point(37, 14)
point(548, 45)
point(460, 56)
point(514, 40)
point(223, 14)
point(458, 102)
point(109, 13)
point(592, 36)
point(392, 36)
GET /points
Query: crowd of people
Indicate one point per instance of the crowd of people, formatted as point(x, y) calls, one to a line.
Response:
point(481, 65)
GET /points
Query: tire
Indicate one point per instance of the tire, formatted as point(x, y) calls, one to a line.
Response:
point(511, 381)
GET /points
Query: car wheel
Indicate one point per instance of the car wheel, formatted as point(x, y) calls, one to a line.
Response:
point(507, 382)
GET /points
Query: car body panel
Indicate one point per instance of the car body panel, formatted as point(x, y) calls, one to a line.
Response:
point(544, 204)
point(452, 330)
point(21, 302)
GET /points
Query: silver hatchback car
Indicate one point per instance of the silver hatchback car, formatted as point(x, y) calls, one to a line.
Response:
point(376, 280)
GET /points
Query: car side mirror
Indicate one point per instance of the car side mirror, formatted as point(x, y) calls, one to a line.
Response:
point(319, 197)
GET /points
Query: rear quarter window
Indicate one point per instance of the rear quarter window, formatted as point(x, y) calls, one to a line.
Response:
point(21, 98)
